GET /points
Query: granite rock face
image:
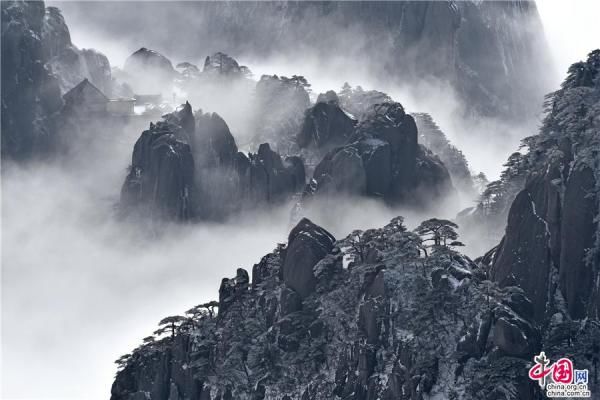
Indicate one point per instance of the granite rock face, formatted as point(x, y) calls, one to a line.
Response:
point(271, 177)
point(30, 94)
point(307, 245)
point(149, 59)
point(488, 51)
point(68, 63)
point(432, 137)
point(383, 159)
point(550, 229)
point(222, 64)
point(149, 72)
point(549, 234)
point(161, 176)
point(39, 65)
point(550, 247)
point(523, 257)
point(279, 110)
point(577, 275)
point(325, 124)
point(205, 176)
point(380, 328)
point(213, 140)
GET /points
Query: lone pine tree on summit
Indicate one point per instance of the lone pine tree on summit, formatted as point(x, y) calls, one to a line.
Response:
point(441, 232)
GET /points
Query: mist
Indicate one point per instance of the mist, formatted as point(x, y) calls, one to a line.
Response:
point(572, 30)
point(486, 142)
point(81, 287)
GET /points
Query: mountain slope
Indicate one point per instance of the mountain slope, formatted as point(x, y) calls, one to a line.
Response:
point(372, 316)
point(431, 136)
point(40, 64)
point(365, 317)
point(68, 63)
point(493, 53)
point(551, 245)
point(30, 94)
point(187, 167)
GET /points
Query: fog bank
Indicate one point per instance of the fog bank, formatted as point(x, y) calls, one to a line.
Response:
point(80, 288)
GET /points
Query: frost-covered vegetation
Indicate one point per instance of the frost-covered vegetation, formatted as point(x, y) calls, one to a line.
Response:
point(432, 137)
point(396, 314)
point(570, 126)
point(392, 322)
point(569, 132)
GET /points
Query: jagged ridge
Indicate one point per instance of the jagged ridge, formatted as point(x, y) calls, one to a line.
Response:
point(365, 317)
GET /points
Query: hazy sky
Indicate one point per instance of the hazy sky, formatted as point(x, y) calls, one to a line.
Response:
point(571, 26)
point(572, 29)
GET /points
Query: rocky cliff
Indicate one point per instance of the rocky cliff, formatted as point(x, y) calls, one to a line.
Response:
point(149, 72)
point(325, 125)
point(30, 93)
point(68, 63)
point(40, 64)
point(188, 167)
point(550, 247)
point(359, 103)
point(382, 158)
point(280, 106)
point(160, 180)
point(566, 139)
point(492, 52)
point(432, 137)
point(222, 64)
point(365, 317)
point(374, 316)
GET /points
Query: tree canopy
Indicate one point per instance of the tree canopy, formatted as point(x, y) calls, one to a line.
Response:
point(170, 323)
point(441, 232)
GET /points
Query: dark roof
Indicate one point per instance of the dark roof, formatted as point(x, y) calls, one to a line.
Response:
point(78, 90)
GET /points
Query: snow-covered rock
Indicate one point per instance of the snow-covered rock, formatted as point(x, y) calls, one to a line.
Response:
point(68, 63)
point(373, 331)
